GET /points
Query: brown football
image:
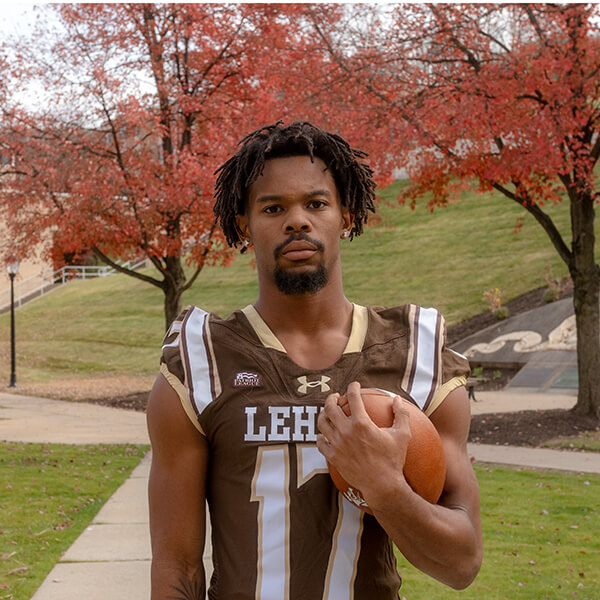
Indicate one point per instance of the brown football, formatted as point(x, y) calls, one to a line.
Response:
point(425, 466)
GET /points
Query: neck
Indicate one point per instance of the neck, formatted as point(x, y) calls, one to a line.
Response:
point(327, 308)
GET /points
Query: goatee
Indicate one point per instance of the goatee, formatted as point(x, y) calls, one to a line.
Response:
point(300, 283)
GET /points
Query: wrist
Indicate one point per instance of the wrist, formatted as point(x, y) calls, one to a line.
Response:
point(387, 494)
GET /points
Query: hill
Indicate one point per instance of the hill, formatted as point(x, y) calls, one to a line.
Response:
point(103, 336)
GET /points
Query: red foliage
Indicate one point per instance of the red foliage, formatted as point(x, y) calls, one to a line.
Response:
point(142, 102)
point(505, 95)
point(502, 94)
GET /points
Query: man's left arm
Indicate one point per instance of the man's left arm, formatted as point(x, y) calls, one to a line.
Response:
point(442, 540)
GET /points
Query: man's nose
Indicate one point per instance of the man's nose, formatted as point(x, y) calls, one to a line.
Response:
point(297, 220)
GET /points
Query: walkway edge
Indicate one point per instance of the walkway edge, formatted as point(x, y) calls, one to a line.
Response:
point(536, 458)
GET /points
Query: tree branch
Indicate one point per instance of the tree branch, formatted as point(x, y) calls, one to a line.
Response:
point(595, 152)
point(105, 259)
point(543, 219)
point(371, 88)
point(471, 58)
point(534, 22)
point(189, 283)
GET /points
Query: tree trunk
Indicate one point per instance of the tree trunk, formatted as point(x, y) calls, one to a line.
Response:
point(173, 287)
point(585, 302)
point(586, 296)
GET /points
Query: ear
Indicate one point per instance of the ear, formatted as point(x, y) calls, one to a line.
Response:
point(242, 225)
point(347, 219)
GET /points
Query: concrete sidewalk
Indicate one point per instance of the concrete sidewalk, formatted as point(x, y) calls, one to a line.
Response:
point(111, 558)
point(30, 419)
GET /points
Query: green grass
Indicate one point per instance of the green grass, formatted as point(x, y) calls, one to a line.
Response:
point(48, 495)
point(541, 530)
point(446, 259)
point(588, 440)
point(541, 535)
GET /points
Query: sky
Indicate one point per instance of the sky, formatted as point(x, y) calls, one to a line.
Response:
point(15, 17)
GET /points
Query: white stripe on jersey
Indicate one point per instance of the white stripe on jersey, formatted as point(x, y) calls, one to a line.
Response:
point(426, 355)
point(197, 363)
point(343, 561)
point(172, 344)
point(270, 488)
point(175, 327)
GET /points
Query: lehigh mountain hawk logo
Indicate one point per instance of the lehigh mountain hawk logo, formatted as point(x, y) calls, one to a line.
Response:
point(305, 384)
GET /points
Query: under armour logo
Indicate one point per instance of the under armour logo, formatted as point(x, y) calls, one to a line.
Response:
point(305, 384)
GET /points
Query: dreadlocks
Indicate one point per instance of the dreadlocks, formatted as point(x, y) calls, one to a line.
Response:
point(354, 179)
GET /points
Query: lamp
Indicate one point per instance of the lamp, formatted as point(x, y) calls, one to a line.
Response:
point(12, 267)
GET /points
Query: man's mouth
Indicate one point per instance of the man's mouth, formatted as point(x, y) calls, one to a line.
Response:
point(298, 248)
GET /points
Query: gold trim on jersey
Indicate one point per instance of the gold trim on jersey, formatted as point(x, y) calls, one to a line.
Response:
point(443, 391)
point(410, 356)
point(184, 398)
point(356, 340)
point(262, 330)
point(360, 322)
point(214, 373)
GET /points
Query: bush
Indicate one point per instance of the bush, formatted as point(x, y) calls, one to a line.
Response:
point(501, 313)
point(552, 294)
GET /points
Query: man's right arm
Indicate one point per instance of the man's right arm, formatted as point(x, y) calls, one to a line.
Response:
point(177, 497)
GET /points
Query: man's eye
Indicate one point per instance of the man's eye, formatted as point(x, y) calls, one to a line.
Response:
point(271, 210)
point(317, 204)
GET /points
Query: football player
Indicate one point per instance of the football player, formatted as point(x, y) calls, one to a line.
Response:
point(244, 412)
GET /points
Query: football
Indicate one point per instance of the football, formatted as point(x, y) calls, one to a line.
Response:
point(425, 465)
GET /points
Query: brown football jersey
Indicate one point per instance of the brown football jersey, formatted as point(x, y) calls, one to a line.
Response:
point(280, 529)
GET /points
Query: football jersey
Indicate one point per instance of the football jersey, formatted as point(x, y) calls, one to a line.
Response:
point(280, 529)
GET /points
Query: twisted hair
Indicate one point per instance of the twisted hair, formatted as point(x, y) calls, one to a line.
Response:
point(353, 178)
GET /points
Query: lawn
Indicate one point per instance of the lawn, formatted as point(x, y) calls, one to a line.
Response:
point(541, 530)
point(48, 495)
point(541, 533)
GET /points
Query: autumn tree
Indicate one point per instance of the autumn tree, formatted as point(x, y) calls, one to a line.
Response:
point(504, 95)
point(137, 106)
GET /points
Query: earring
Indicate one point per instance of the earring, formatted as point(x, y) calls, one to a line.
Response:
point(246, 243)
point(345, 235)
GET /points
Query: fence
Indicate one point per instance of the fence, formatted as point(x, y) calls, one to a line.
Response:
point(48, 280)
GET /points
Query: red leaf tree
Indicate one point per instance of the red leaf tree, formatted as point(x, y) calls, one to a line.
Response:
point(506, 95)
point(139, 103)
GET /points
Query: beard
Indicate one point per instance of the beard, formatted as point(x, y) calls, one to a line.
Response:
point(300, 283)
point(291, 283)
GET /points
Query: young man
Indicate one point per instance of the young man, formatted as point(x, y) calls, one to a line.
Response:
point(245, 411)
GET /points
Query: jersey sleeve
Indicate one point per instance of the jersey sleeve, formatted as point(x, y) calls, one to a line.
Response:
point(172, 365)
point(455, 370)
point(432, 369)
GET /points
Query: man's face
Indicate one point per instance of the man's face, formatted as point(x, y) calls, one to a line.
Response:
point(294, 219)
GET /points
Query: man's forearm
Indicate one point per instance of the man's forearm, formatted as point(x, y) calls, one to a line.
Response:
point(438, 540)
point(177, 583)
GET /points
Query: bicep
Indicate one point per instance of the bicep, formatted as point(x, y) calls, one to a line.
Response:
point(177, 484)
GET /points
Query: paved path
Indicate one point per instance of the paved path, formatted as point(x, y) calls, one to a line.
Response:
point(111, 558)
point(29, 419)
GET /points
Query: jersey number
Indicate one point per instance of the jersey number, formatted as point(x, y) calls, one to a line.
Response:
point(271, 489)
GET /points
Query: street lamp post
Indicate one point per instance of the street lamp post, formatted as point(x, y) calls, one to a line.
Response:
point(12, 266)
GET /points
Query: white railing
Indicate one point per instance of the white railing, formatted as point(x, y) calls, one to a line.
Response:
point(48, 280)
